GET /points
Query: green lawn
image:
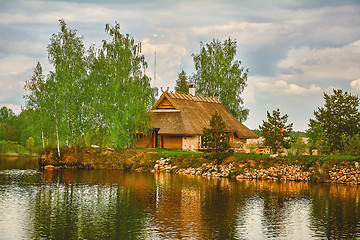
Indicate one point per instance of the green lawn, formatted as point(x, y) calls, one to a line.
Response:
point(172, 153)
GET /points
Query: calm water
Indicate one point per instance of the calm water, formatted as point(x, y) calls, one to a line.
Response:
point(109, 204)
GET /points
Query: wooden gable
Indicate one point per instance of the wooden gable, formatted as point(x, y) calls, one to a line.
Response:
point(164, 102)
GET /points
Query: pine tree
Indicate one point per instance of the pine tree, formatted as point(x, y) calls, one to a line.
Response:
point(275, 130)
point(215, 140)
point(338, 118)
point(182, 85)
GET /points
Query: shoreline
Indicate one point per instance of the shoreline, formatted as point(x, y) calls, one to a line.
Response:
point(240, 167)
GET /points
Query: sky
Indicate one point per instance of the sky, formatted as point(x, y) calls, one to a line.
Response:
point(294, 50)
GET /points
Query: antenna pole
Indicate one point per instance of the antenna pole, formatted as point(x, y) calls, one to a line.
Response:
point(155, 71)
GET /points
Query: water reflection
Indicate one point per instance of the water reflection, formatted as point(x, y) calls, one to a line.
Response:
point(111, 204)
point(18, 163)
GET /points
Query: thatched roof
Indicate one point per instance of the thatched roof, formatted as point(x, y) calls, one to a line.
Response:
point(184, 114)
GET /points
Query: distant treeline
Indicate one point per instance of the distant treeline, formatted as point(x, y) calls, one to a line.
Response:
point(292, 133)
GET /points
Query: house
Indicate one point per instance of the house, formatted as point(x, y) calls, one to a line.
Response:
point(178, 120)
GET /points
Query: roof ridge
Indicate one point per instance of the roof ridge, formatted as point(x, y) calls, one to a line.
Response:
point(196, 98)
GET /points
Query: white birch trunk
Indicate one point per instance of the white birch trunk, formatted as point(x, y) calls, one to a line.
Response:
point(58, 141)
point(42, 139)
point(57, 131)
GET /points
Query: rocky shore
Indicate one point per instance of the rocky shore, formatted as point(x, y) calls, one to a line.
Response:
point(339, 175)
point(303, 170)
point(350, 175)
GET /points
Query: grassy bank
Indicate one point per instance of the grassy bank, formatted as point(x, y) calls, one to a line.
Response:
point(145, 159)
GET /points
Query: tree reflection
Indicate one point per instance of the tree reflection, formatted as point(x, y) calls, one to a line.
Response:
point(336, 211)
point(67, 211)
point(106, 204)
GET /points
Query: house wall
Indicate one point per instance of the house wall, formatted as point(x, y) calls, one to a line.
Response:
point(172, 142)
point(145, 142)
point(191, 143)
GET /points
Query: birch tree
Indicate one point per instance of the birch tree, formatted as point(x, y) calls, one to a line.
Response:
point(36, 99)
point(66, 52)
point(219, 73)
point(124, 91)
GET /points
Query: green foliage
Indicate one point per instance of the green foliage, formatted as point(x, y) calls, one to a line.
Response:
point(218, 73)
point(7, 116)
point(99, 137)
point(7, 132)
point(182, 85)
point(215, 140)
point(351, 145)
point(257, 132)
point(275, 130)
point(27, 126)
point(298, 146)
point(338, 118)
point(30, 144)
point(39, 99)
point(11, 147)
point(318, 140)
point(298, 133)
point(66, 53)
point(120, 91)
point(103, 90)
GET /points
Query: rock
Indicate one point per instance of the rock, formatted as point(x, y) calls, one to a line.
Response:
point(156, 167)
point(49, 167)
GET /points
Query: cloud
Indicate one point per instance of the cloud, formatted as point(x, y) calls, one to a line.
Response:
point(11, 92)
point(11, 66)
point(14, 71)
point(323, 64)
point(275, 87)
point(249, 94)
point(355, 86)
point(44, 12)
point(168, 58)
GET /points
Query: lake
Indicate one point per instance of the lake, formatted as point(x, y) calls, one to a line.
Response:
point(113, 204)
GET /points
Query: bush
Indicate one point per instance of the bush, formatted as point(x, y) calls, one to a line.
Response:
point(11, 147)
point(351, 145)
point(30, 144)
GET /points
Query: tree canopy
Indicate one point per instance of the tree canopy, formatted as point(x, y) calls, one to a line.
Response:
point(275, 130)
point(101, 90)
point(219, 73)
point(6, 115)
point(182, 85)
point(7, 124)
point(123, 93)
point(339, 118)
